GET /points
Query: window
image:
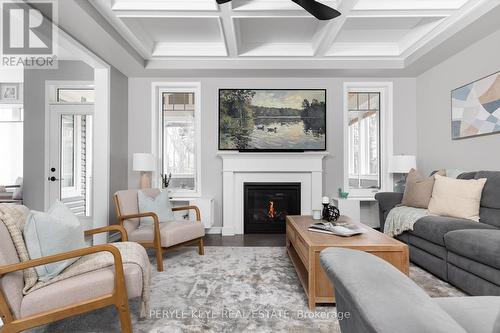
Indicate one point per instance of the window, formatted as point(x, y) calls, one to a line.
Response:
point(179, 139)
point(75, 95)
point(364, 140)
point(367, 137)
point(11, 147)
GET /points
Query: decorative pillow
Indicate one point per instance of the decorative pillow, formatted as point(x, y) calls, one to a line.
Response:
point(50, 233)
point(160, 205)
point(457, 197)
point(418, 189)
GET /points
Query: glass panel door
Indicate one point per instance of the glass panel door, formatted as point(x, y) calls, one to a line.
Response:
point(70, 159)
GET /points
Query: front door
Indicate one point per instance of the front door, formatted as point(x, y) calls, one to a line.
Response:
point(70, 158)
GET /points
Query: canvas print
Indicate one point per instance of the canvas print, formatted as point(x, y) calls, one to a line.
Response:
point(475, 108)
point(253, 119)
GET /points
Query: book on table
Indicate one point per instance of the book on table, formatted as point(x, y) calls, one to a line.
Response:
point(338, 229)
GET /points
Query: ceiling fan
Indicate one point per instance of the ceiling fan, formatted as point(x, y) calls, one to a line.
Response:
point(317, 9)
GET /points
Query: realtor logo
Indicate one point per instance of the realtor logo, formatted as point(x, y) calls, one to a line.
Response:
point(28, 33)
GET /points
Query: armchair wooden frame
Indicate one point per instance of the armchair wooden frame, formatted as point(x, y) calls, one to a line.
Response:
point(117, 298)
point(156, 243)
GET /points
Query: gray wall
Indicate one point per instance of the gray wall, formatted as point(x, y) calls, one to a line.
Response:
point(34, 124)
point(140, 123)
point(435, 147)
point(118, 137)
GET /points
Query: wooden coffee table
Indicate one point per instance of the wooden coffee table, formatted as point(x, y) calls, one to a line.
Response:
point(304, 246)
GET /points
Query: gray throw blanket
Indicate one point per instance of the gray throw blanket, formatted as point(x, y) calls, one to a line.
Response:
point(13, 216)
point(402, 218)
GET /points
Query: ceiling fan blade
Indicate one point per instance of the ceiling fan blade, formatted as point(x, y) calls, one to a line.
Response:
point(317, 9)
point(220, 2)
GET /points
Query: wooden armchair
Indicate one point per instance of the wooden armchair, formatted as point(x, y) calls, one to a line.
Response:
point(161, 236)
point(66, 298)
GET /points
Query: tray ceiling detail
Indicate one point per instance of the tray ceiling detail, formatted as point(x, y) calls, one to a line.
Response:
point(369, 33)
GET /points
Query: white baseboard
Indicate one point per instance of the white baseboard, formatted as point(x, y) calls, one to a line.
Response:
point(213, 230)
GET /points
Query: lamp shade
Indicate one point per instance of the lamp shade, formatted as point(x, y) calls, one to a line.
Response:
point(402, 163)
point(143, 162)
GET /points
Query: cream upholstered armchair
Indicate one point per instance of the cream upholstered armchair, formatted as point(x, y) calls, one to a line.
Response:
point(79, 294)
point(160, 236)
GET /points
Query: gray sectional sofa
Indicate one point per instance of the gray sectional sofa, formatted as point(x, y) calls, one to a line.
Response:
point(463, 252)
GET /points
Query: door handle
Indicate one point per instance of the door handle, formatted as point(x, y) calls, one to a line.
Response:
point(52, 179)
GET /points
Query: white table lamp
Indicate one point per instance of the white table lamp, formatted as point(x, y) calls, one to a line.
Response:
point(145, 164)
point(402, 164)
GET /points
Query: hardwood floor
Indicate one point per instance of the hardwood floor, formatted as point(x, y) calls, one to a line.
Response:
point(246, 240)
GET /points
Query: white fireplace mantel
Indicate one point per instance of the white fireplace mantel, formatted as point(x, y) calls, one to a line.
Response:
point(240, 168)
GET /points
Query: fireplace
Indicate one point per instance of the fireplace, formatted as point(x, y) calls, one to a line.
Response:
point(266, 206)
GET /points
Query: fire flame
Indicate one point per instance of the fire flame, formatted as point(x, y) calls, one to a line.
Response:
point(271, 212)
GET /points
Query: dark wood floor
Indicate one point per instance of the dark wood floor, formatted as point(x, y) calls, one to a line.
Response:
point(246, 240)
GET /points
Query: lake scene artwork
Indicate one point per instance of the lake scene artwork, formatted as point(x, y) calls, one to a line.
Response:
point(253, 119)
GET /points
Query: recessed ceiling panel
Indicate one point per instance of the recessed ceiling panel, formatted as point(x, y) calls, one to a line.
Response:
point(277, 36)
point(380, 35)
point(179, 36)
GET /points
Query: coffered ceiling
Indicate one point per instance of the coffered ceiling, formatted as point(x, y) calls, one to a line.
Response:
point(280, 34)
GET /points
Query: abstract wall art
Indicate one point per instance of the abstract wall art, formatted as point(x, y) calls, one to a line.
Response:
point(475, 108)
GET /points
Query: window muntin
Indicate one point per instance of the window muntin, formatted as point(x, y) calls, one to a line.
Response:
point(364, 162)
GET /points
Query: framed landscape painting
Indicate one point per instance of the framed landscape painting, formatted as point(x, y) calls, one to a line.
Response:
point(475, 108)
point(272, 119)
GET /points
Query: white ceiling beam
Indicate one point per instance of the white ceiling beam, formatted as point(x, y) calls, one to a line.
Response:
point(229, 30)
point(193, 63)
point(161, 13)
point(333, 28)
point(402, 13)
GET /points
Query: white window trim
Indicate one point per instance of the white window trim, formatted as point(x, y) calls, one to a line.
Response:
point(386, 134)
point(156, 125)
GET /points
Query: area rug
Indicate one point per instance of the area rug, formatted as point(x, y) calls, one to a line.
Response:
point(229, 289)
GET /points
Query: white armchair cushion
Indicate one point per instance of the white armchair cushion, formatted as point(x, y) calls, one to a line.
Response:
point(56, 231)
point(160, 205)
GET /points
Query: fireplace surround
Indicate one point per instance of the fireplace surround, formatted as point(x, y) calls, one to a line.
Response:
point(240, 168)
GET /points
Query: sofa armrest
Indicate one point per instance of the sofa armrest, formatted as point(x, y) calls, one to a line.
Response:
point(386, 202)
point(380, 298)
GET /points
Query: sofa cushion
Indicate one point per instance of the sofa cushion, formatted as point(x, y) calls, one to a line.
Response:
point(475, 314)
point(490, 204)
point(158, 204)
point(433, 228)
point(456, 197)
point(54, 232)
point(81, 288)
point(171, 233)
point(479, 245)
point(418, 189)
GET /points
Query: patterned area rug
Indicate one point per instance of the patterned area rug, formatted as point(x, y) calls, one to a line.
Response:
point(229, 289)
